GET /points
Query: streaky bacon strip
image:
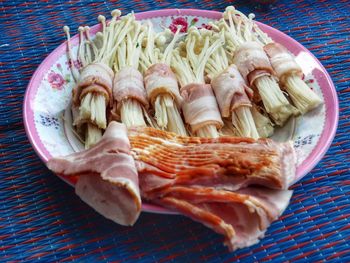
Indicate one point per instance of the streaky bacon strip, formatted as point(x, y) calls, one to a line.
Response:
point(242, 216)
point(128, 84)
point(282, 61)
point(97, 78)
point(252, 62)
point(200, 107)
point(241, 161)
point(107, 176)
point(230, 91)
point(160, 79)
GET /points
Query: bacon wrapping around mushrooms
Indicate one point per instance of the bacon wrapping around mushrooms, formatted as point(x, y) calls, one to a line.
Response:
point(128, 84)
point(160, 79)
point(197, 115)
point(230, 90)
point(107, 176)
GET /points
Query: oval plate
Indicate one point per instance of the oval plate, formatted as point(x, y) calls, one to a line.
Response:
point(49, 91)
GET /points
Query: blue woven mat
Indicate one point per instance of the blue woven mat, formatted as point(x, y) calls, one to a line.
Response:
point(41, 219)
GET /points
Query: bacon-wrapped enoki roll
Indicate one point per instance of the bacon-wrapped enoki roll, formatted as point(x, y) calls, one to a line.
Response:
point(92, 94)
point(160, 81)
point(200, 108)
point(254, 65)
point(231, 93)
point(289, 73)
point(128, 89)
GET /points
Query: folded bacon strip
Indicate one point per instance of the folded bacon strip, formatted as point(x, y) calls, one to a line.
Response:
point(107, 176)
point(230, 162)
point(242, 217)
point(200, 107)
point(160, 79)
point(128, 84)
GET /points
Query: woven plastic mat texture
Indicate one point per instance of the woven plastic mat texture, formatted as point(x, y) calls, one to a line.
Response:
point(41, 219)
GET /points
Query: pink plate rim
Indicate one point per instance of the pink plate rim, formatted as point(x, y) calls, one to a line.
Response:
point(326, 84)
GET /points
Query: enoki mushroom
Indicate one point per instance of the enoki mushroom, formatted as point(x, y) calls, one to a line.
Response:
point(239, 31)
point(161, 85)
point(189, 60)
point(93, 104)
point(241, 116)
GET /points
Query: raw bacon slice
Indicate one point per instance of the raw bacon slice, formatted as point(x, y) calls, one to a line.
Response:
point(200, 107)
point(160, 79)
point(230, 91)
point(241, 161)
point(252, 62)
point(242, 216)
point(96, 78)
point(108, 179)
point(282, 61)
point(128, 84)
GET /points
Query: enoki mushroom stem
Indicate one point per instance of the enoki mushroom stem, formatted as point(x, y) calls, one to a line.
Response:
point(93, 108)
point(208, 131)
point(92, 135)
point(302, 96)
point(131, 113)
point(263, 123)
point(276, 104)
point(168, 116)
point(243, 120)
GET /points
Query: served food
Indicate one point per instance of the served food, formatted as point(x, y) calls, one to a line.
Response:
point(235, 185)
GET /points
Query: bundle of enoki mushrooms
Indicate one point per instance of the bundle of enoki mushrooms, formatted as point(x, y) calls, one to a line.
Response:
point(254, 65)
point(160, 81)
point(92, 72)
point(289, 73)
point(129, 93)
point(199, 107)
point(231, 93)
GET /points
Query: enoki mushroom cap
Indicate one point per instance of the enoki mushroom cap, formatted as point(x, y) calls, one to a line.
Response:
point(66, 29)
point(116, 13)
point(101, 18)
